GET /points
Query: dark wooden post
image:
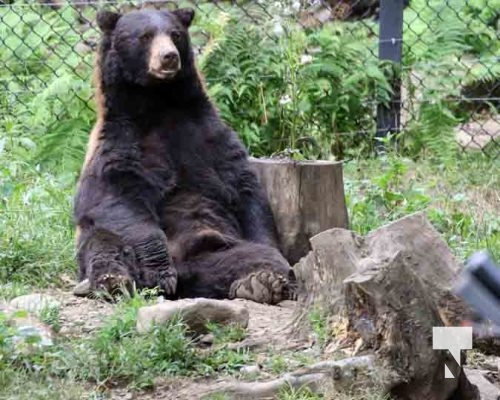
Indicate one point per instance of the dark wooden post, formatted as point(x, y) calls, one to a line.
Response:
point(391, 49)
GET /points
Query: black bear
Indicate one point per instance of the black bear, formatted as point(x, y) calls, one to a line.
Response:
point(166, 197)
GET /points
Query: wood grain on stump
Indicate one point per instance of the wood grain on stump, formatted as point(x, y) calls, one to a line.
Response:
point(306, 198)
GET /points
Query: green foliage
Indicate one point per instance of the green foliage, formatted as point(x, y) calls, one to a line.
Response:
point(278, 364)
point(226, 333)
point(304, 393)
point(10, 290)
point(454, 197)
point(297, 90)
point(318, 320)
point(36, 238)
point(51, 316)
point(47, 86)
point(117, 353)
point(446, 45)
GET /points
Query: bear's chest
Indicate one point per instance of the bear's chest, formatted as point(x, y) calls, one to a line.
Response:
point(182, 150)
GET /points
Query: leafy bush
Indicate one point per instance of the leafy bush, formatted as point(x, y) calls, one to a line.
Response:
point(446, 46)
point(46, 86)
point(312, 92)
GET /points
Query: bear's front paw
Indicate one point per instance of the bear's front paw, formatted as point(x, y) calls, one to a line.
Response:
point(168, 281)
point(262, 287)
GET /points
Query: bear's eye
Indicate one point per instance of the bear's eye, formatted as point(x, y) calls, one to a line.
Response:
point(146, 36)
point(175, 35)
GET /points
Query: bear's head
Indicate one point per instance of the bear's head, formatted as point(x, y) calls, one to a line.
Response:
point(147, 46)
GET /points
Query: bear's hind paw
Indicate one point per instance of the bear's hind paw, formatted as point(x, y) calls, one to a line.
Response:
point(262, 287)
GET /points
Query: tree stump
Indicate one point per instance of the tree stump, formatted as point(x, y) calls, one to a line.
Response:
point(306, 198)
point(392, 286)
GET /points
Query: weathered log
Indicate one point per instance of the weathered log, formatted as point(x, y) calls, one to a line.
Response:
point(392, 286)
point(348, 374)
point(338, 253)
point(393, 311)
point(306, 198)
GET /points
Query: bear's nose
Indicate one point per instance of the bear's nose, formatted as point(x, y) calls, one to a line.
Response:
point(170, 60)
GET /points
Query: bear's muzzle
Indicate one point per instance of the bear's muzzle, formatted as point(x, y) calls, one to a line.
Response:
point(164, 60)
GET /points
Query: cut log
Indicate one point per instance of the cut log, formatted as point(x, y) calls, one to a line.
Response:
point(306, 198)
point(393, 286)
point(338, 253)
point(393, 311)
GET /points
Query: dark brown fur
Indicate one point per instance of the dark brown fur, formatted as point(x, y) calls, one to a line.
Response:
point(161, 164)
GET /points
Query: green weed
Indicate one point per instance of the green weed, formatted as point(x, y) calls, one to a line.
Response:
point(319, 324)
point(226, 333)
point(51, 316)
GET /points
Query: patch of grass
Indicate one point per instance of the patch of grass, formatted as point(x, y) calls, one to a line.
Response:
point(116, 355)
point(216, 396)
point(319, 324)
point(10, 290)
point(36, 239)
point(328, 393)
point(277, 364)
point(24, 386)
point(226, 333)
point(304, 393)
point(461, 199)
point(51, 316)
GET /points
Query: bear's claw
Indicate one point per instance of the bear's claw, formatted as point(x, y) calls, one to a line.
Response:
point(114, 284)
point(262, 287)
point(168, 281)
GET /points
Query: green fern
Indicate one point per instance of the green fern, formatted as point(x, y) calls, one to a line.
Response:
point(445, 48)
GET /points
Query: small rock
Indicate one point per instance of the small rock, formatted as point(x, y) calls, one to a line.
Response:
point(196, 313)
point(26, 328)
point(250, 369)
point(486, 388)
point(82, 288)
point(34, 302)
point(207, 340)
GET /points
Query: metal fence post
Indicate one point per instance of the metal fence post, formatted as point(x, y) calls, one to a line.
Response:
point(391, 49)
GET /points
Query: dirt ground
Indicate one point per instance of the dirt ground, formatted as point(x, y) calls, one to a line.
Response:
point(268, 329)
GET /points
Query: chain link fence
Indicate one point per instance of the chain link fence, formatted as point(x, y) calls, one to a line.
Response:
point(306, 78)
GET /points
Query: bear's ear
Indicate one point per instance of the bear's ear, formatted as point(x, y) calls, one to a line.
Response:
point(106, 20)
point(185, 15)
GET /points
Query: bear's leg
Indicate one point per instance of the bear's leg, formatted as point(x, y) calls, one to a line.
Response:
point(154, 263)
point(134, 248)
point(248, 270)
point(105, 261)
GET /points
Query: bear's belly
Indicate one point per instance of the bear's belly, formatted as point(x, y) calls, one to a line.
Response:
point(188, 215)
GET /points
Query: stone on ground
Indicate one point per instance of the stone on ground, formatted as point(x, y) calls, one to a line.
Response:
point(486, 388)
point(196, 313)
point(82, 288)
point(34, 303)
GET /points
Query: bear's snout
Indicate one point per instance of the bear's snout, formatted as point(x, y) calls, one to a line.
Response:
point(170, 60)
point(164, 60)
